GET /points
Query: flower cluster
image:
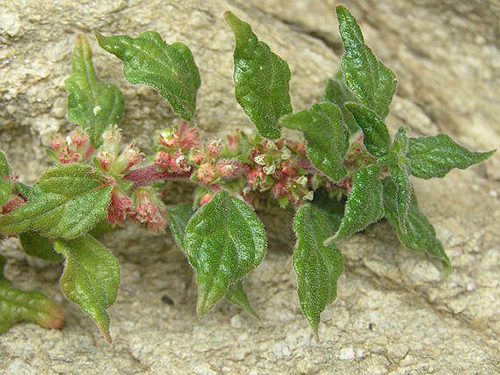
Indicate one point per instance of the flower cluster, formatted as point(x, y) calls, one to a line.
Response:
point(258, 170)
point(111, 159)
point(281, 169)
point(75, 148)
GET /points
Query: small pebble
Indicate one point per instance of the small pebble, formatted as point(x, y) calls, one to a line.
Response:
point(346, 354)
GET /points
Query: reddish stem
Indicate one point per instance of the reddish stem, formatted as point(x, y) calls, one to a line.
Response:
point(147, 175)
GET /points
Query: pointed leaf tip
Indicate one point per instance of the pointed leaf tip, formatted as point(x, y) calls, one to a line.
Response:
point(261, 79)
point(90, 278)
point(224, 241)
point(168, 68)
point(317, 266)
point(86, 94)
point(364, 204)
point(67, 202)
point(326, 135)
point(366, 76)
point(435, 156)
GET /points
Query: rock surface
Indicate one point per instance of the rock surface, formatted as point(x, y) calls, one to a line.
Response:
point(394, 314)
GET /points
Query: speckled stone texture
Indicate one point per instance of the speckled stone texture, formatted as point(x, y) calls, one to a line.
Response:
point(395, 314)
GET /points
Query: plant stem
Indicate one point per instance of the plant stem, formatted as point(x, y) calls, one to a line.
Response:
point(149, 174)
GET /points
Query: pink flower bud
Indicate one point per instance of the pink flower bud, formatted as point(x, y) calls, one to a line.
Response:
point(205, 173)
point(120, 206)
point(233, 142)
point(169, 137)
point(79, 139)
point(255, 174)
point(105, 159)
point(205, 199)
point(227, 168)
point(288, 168)
point(57, 142)
point(147, 211)
point(180, 163)
point(127, 159)
point(69, 155)
point(162, 160)
point(111, 139)
point(280, 189)
point(190, 139)
point(214, 148)
point(196, 156)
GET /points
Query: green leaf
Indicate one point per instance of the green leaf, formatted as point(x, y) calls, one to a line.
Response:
point(66, 203)
point(237, 296)
point(18, 306)
point(364, 204)
point(5, 180)
point(400, 174)
point(317, 266)
point(368, 78)
point(178, 217)
point(376, 135)
point(401, 145)
point(168, 68)
point(337, 93)
point(404, 192)
point(224, 241)
point(436, 156)
point(90, 278)
point(38, 246)
point(101, 228)
point(418, 233)
point(23, 189)
point(91, 103)
point(326, 135)
point(261, 79)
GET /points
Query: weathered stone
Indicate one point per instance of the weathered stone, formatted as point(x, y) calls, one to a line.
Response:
point(394, 312)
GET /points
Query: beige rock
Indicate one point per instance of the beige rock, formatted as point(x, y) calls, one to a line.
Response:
point(394, 313)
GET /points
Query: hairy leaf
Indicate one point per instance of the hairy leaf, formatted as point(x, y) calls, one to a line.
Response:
point(337, 93)
point(404, 192)
point(436, 156)
point(368, 78)
point(399, 167)
point(18, 306)
point(66, 203)
point(224, 241)
point(317, 266)
point(168, 68)
point(91, 103)
point(37, 246)
point(178, 217)
point(401, 144)
point(261, 79)
point(326, 135)
point(237, 296)
point(90, 278)
point(364, 204)
point(376, 135)
point(418, 233)
point(23, 189)
point(5, 180)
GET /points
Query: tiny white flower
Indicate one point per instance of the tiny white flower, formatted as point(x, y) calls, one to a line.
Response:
point(269, 170)
point(302, 181)
point(260, 160)
point(309, 196)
